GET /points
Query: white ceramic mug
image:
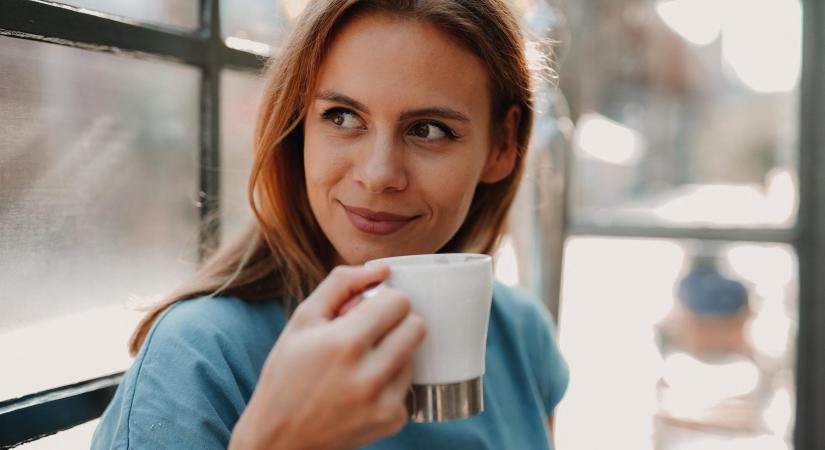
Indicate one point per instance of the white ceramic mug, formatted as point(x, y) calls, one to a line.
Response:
point(452, 293)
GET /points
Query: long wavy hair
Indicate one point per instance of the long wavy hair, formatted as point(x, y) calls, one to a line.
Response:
point(284, 254)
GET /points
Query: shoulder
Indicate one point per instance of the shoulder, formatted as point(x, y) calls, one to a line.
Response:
point(218, 317)
point(219, 312)
point(193, 376)
point(231, 336)
point(524, 315)
point(530, 321)
point(224, 331)
point(520, 308)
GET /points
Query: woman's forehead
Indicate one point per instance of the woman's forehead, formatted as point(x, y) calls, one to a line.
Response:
point(383, 60)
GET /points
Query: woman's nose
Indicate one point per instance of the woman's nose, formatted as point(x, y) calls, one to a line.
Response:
point(380, 166)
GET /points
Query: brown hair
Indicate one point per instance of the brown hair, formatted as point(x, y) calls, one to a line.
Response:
point(283, 253)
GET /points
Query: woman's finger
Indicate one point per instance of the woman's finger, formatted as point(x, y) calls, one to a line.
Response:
point(373, 318)
point(396, 349)
point(341, 285)
point(390, 412)
point(399, 385)
point(369, 291)
point(347, 307)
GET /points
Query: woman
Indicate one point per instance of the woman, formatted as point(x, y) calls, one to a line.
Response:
point(387, 128)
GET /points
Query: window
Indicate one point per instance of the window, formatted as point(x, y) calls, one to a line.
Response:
point(109, 158)
point(685, 271)
point(99, 173)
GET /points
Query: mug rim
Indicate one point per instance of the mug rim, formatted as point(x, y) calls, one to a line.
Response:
point(427, 260)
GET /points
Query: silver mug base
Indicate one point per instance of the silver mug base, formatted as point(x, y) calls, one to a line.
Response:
point(443, 402)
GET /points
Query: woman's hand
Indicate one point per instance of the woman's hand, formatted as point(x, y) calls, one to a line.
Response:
point(335, 381)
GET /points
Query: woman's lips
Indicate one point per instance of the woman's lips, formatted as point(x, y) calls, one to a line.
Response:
point(376, 222)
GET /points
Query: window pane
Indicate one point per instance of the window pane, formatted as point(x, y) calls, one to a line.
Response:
point(678, 344)
point(180, 13)
point(686, 112)
point(263, 22)
point(240, 96)
point(98, 184)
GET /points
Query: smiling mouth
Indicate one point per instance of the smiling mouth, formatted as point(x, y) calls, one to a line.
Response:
point(376, 222)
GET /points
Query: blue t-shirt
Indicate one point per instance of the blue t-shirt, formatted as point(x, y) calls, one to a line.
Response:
point(199, 365)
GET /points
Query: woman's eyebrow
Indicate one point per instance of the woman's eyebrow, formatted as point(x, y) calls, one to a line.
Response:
point(435, 111)
point(337, 97)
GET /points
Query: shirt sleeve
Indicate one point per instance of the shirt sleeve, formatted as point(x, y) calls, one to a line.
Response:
point(549, 365)
point(184, 390)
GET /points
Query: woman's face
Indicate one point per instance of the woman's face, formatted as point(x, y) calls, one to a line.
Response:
point(396, 139)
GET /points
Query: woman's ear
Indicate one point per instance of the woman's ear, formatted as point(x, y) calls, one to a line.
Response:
point(502, 158)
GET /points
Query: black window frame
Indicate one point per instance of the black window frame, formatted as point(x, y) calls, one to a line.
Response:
point(37, 415)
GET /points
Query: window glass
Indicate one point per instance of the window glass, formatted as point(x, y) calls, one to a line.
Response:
point(258, 26)
point(240, 97)
point(678, 344)
point(686, 112)
point(179, 13)
point(98, 205)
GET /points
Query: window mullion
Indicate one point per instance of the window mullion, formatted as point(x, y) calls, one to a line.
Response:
point(810, 412)
point(209, 189)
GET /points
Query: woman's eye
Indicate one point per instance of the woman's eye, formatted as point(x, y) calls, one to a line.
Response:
point(342, 118)
point(430, 131)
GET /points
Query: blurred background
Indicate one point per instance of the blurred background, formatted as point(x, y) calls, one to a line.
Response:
point(656, 220)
